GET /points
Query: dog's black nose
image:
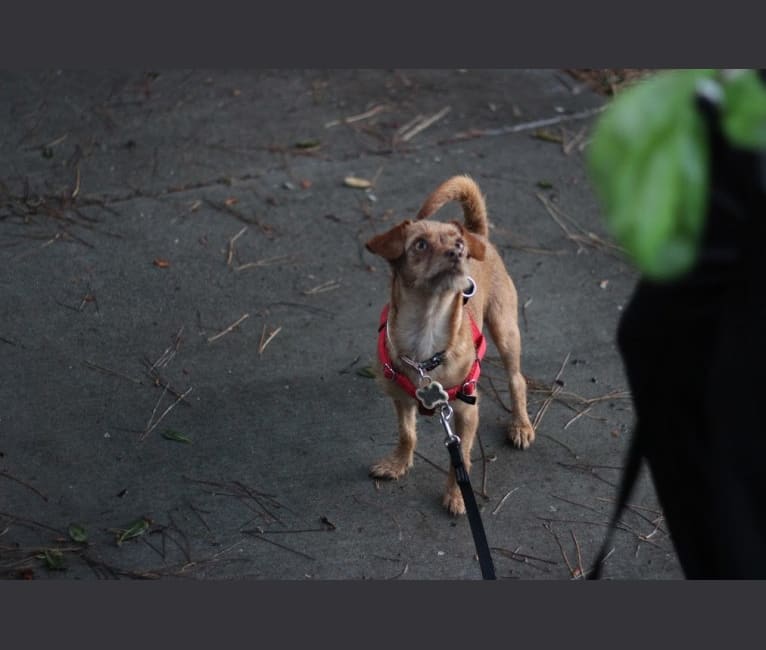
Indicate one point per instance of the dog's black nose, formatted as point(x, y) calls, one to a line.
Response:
point(457, 250)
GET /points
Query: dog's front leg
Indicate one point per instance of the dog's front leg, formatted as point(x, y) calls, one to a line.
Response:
point(400, 460)
point(466, 423)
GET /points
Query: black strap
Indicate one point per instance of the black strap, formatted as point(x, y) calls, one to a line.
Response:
point(433, 362)
point(472, 511)
point(629, 477)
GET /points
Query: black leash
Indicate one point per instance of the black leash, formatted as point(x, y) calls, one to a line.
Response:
point(471, 507)
point(629, 477)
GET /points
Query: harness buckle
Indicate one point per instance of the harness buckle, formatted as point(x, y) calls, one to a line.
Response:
point(469, 388)
point(424, 378)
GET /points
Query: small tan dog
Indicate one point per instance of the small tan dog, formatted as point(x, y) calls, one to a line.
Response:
point(448, 280)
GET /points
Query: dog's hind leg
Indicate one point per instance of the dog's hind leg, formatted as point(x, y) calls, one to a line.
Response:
point(505, 333)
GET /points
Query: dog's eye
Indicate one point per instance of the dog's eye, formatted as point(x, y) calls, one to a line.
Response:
point(421, 245)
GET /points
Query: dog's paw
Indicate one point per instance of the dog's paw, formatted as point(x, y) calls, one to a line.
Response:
point(391, 467)
point(453, 501)
point(521, 435)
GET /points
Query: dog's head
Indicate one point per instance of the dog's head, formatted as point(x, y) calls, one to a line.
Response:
point(429, 255)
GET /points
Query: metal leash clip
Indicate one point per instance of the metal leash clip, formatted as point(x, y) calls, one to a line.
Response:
point(445, 413)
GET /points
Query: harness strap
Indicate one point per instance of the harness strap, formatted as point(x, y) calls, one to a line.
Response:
point(465, 391)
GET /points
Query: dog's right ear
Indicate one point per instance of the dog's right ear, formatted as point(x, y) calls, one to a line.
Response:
point(390, 245)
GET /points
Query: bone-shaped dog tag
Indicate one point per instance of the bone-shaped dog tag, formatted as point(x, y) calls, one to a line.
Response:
point(432, 395)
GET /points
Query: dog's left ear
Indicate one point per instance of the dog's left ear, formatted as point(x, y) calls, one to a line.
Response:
point(390, 245)
point(476, 246)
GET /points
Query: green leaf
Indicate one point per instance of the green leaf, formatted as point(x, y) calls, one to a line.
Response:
point(307, 144)
point(78, 533)
point(547, 136)
point(170, 434)
point(744, 109)
point(649, 162)
point(136, 529)
point(54, 560)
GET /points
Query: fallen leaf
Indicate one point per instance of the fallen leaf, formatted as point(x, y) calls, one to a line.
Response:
point(170, 434)
point(358, 183)
point(230, 201)
point(161, 263)
point(327, 523)
point(54, 560)
point(547, 136)
point(603, 284)
point(306, 184)
point(544, 185)
point(78, 533)
point(366, 372)
point(136, 529)
point(307, 144)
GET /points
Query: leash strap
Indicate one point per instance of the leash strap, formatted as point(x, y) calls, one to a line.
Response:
point(469, 499)
point(472, 511)
point(629, 477)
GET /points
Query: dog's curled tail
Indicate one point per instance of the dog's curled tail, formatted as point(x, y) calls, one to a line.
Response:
point(465, 190)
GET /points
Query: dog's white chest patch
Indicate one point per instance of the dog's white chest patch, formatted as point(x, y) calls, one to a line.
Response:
point(421, 337)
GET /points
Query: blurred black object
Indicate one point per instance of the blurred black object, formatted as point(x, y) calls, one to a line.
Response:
point(695, 355)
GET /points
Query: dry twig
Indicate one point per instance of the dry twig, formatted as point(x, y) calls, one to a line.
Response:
point(107, 371)
point(554, 389)
point(579, 235)
point(151, 428)
point(357, 118)
point(483, 468)
point(76, 189)
point(423, 124)
point(166, 357)
point(430, 462)
point(269, 261)
point(224, 332)
point(569, 144)
point(330, 285)
point(265, 340)
point(525, 126)
point(579, 571)
point(282, 546)
point(590, 470)
point(547, 525)
point(24, 483)
point(230, 246)
point(502, 501)
point(577, 417)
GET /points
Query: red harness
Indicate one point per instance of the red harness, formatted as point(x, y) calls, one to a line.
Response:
point(464, 391)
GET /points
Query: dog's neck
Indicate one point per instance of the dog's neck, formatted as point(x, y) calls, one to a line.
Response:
point(423, 324)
